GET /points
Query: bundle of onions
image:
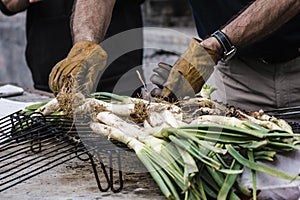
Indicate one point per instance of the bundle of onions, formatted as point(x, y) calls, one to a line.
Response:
point(195, 149)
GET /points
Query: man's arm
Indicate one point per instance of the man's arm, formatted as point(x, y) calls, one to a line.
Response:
point(257, 21)
point(91, 19)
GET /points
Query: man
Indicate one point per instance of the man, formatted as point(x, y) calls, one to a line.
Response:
point(49, 35)
point(265, 69)
point(256, 60)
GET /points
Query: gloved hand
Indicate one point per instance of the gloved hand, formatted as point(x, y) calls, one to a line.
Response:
point(188, 74)
point(79, 70)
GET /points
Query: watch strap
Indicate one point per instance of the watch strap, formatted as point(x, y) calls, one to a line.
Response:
point(229, 49)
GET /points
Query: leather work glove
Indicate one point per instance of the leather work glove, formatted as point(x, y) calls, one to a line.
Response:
point(188, 74)
point(79, 70)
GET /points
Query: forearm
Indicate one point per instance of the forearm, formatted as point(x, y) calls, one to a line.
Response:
point(260, 19)
point(15, 5)
point(90, 19)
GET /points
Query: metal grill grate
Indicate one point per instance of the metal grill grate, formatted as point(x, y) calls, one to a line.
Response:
point(31, 145)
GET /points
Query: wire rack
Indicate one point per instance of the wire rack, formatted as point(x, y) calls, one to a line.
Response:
point(31, 145)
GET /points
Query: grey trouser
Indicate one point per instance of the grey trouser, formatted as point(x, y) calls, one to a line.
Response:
point(272, 188)
point(252, 84)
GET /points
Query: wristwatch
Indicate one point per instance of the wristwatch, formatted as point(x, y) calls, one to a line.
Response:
point(229, 49)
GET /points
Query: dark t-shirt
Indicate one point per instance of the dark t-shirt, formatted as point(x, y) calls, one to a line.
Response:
point(211, 15)
point(49, 39)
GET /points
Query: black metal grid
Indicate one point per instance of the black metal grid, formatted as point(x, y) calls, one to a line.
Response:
point(31, 145)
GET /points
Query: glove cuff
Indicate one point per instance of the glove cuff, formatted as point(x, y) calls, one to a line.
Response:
point(196, 50)
point(84, 47)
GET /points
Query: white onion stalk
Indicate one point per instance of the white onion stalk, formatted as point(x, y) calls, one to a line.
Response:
point(160, 106)
point(118, 109)
point(117, 134)
point(260, 115)
point(49, 108)
point(146, 124)
point(222, 120)
point(170, 119)
point(113, 120)
point(203, 102)
point(150, 104)
point(132, 130)
point(155, 119)
point(267, 124)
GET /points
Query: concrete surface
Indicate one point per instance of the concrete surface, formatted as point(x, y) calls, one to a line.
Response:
point(74, 180)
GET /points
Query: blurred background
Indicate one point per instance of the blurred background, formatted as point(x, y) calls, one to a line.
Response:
point(172, 14)
point(13, 68)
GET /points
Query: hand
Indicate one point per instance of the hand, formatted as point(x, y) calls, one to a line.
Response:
point(188, 74)
point(159, 78)
point(79, 70)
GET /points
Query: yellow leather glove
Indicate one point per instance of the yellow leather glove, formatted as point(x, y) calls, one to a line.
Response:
point(79, 70)
point(188, 74)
